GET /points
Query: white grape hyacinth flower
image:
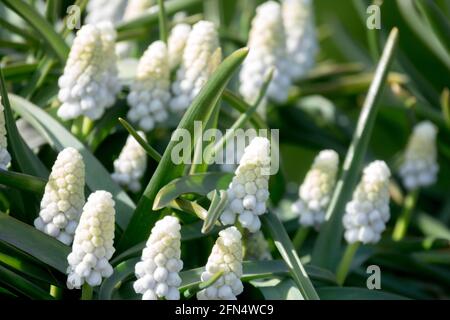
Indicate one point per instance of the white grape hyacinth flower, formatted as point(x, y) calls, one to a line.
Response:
point(316, 191)
point(63, 198)
point(150, 92)
point(420, 167)
point(158, 271)
point(366, 215)
point(267, 44)
point(105, 10)
point(130, 167)
point(201, 57)
point(255, 247)
point(226, 256)
point(177, 42)
point(301, 39)
point(93, 244)
point(90, 83)
point(249, 189)
point(5, 157)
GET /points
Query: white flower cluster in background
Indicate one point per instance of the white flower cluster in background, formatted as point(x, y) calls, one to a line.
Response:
point(63, 198)
point(249, 189)
point(130, 167)
point(177, 42)
point(150, 92)
point(367, 214)
point(301, 40)
point(201, 57)
point(5, 157)
point(267, 44)
point(157, 272)
point(316, 191)
point(226, 256)
point(420, 167)
point(105, 10)
point(89, 84)
point(93, 244)
point(255, 246)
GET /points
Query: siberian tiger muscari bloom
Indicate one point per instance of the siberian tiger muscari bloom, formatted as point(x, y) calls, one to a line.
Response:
point(63, 198)
point(301, 40)
point(177, 42)
point(317, 188)
point(420, 167)
point(249, 189)
point(201, 57)
point(93, 244)
point(226, 256)
point(157, 272)
point(5, 157)
point(105, 10)
point(368, 212)
point(130, 167)
point(267, 44)
point(150, 92)
point(89, 83)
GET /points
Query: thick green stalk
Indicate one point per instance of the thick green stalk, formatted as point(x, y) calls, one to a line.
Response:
point(86, 292)
point(344, 265)
point(300, 237)
point(401, 226)
point(163, 25)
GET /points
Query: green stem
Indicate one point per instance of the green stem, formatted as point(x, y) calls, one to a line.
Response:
point(163, 25)
point(300, 237)
point(344, 265)
point(86, 292)
point(401, 226)
point(86, 126)
point(56, 292)
point(77, 127)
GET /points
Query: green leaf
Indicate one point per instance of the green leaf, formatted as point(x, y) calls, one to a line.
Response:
point(278, 289)
point(22, 181)
point(190, 292)
point(163, 24)
point(289, 255)
point(218, 203)
point(240, 105)
point(327, 247)
point(349, 293)
point(200, 109)
point(104, 126)
point(437, 19)
point(41, 26)
point(36, 243)
point(430, 226)
point(97, 178)
point(18, 71)
point(199, 183)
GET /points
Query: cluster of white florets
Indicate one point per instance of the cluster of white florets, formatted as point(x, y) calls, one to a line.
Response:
point(89, 83)
point(255, 246)
point(315, 192)
point(150, 92)
point(226, 256)
point(157, 272)
point(63, 198)
point(368, 212)
point(301, 41)
point(249, 189)
point(5, 157)
point(130, 167)
point(105, 10)
point(420, 167)
point(177, 42)
point(93, 244)
point(267, 44)
point(201, 57)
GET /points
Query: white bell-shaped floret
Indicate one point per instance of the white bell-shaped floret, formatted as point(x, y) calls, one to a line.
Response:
point(177, 42)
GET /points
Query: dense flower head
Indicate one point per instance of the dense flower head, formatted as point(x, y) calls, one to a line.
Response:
point(255, 246)
point(5, 157)
point(367, 214)
point(157, 272)
point(249, 191)
point(177, 42)
point(267, 44)
point(315, 192)
point(150, 92)
point(89, 83)
point(226, 256)
point(301, 40)
point(105, 10)
point(201, 57)
point(130, 167)
point(93, 244)
point(420, 167)
point(63, 198)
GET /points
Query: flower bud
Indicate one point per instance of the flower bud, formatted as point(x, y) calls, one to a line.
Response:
point(366, 215)
point(177, 42)
point(5, 157)
point(93, 244)
point(63, 198)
